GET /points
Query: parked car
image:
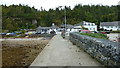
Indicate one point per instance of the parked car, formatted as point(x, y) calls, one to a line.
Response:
point(108, 32)
point(103, 32)
point(53, 32)
point(2, 34)
point(18, 32)
point(30, 33)
point(11, 34)
point(96, 32)
point(38, 33)
point(85, 31)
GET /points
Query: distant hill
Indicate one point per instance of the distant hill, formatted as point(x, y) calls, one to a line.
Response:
point(16, 17)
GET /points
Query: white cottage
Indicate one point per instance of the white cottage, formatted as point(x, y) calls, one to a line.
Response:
point(71, 28)
point(114, 26)
point(46, 29)
point(90, 26)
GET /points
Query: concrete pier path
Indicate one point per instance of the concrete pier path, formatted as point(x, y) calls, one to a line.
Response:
point(61, 52)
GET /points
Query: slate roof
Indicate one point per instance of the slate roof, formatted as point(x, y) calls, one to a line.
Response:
point(115, 23)
point(81, 23)
point(43, 27)
point(52, 27)
point(67, 25)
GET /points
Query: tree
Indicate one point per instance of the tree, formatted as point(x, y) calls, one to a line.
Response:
point(15, 17)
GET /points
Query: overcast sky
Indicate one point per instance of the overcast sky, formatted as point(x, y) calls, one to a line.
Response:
point(46, 4)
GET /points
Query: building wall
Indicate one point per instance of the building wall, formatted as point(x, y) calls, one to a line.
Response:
point(45, 30)
point(73, 30)
point(113, 28)
point(90, 26)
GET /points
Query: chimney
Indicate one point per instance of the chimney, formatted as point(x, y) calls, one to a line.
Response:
point(53, 24)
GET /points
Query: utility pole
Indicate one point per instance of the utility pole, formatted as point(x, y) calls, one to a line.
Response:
point(64, 15)
point(65, 20)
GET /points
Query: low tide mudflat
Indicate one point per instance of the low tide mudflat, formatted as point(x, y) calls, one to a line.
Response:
point(21, 52)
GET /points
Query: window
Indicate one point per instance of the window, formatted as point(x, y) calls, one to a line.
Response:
point(90, 28)
point(91, 24)
point(107, 26)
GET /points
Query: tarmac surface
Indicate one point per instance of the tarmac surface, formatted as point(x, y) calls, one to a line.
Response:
point(61, 52)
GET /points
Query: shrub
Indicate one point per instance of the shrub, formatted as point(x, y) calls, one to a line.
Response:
point(95, 35)
point(118, 31)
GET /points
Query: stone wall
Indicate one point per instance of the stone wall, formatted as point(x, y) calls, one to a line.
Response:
point(105, 51)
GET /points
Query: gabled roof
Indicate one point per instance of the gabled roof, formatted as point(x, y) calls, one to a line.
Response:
point(114, 23)
point(81, 23)
point(43, 27)
point(67, 25)
point(54, 27)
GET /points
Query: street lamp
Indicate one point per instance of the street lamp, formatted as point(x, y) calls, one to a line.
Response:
point(65, 20)
point(64, 17)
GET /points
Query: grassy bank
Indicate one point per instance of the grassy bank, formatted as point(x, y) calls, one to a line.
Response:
point(95, 35)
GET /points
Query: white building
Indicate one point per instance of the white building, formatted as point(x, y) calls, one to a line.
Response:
point(75, 29)
point(72, 28)
point(47, 29)
point(114, 26)
point(90, 26)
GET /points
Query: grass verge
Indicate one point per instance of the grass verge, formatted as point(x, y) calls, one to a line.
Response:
point(96, 35)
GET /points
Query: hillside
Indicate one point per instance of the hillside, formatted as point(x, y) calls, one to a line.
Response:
point(16, 17)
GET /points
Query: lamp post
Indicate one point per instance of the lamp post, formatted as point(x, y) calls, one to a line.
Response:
point(64, 18)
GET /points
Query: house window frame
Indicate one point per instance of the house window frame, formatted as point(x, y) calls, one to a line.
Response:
point(111, 26)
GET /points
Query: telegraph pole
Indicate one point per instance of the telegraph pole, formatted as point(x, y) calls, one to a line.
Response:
point(65, 19)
